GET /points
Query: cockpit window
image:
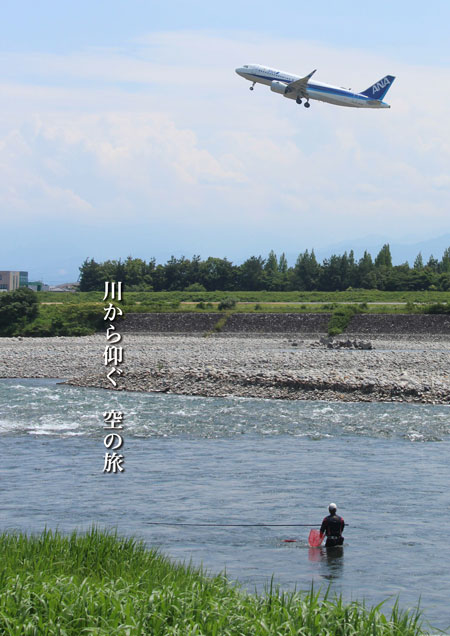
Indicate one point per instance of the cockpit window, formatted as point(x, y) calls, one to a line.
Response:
point(245, 65)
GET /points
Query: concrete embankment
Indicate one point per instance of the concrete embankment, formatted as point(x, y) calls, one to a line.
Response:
point(234, 323)
point(367, 324)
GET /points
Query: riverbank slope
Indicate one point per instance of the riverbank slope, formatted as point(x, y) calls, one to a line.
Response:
point(99, 583)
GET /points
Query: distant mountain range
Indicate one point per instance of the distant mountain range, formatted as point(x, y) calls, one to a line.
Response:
point(400, 252)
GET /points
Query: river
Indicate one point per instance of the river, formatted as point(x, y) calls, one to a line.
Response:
point(191, 460)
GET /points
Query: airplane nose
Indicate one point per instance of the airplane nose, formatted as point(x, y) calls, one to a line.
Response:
point(239, 70)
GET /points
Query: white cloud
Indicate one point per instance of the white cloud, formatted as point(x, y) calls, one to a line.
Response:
point(165, 127)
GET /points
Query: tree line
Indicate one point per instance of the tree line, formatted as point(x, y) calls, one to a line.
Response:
point(336, 273)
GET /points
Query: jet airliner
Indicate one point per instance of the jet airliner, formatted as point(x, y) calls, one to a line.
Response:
point(302, 88)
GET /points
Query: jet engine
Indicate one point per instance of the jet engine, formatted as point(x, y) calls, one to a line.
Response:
point(278, 87)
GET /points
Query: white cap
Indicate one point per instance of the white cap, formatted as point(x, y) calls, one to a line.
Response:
point(332, 506)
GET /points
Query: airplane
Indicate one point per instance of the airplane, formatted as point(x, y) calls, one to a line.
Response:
point(301, 88)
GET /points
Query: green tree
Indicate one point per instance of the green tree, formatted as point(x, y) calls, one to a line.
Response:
point(217, 274)
point(350, 276)
point(177, 273)
point(193, 271)
point(418, 263)
point(271, 264)
point(306, 272)
point(251, 274)
point(272, 273)
point(159, 278)
point(113, 270)
point(283, 264)
point(401, 277)
point(444, 282)
point(365, 275)
point(91, 276)
point(384, 258)
point(445, 263)
point(135, 275)
point(17, 309)
point(433, 264)
point(331, 276)
point(283, 272)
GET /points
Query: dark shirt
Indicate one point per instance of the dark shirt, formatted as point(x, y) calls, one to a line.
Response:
point(332, 526)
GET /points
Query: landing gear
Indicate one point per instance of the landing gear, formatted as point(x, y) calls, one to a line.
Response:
point(298, 100)
point(307, 104)
point(252, 86)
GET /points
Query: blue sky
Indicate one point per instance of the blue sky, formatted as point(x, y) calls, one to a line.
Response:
point(125, 131)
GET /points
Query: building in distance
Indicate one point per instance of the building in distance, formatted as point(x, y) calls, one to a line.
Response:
point(9, 280)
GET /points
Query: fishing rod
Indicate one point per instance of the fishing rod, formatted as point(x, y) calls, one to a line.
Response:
point(235, 525)
point(242, 525)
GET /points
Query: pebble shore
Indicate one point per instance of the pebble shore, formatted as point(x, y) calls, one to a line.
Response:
point(400, 369)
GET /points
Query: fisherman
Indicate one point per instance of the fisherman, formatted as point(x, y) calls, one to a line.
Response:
point(332, 526)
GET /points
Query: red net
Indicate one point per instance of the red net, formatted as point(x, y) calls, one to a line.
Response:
point(315, 538)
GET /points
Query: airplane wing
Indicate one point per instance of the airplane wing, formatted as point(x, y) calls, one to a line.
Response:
point(299, 86)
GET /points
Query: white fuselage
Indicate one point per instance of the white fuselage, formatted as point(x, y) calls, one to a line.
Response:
point(314, 90)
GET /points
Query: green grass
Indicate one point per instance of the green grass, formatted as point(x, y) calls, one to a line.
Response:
point(277, 308)
point(351, 296)
point(101, 584)
point(79, 314)
point(341, 317)
point(66, 320)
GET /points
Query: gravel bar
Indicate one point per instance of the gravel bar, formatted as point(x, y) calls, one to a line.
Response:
point(401, 369)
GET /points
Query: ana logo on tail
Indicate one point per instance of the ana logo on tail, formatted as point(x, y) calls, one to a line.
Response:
point(378, 90)
point(379, 85)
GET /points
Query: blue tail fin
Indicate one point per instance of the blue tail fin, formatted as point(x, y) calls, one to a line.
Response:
point(379, 90)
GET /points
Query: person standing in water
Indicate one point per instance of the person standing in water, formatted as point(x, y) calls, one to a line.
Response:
point(332, 526)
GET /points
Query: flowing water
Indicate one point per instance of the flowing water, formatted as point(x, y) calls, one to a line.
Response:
point(193, 460)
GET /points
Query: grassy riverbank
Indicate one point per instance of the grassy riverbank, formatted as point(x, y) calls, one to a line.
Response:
point(100, 584)
point(266, 297)
point(44, 314)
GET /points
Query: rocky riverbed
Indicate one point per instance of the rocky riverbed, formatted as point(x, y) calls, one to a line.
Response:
point(407, 368)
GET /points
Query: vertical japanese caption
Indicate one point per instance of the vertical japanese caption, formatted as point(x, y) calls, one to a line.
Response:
point(113, 357)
